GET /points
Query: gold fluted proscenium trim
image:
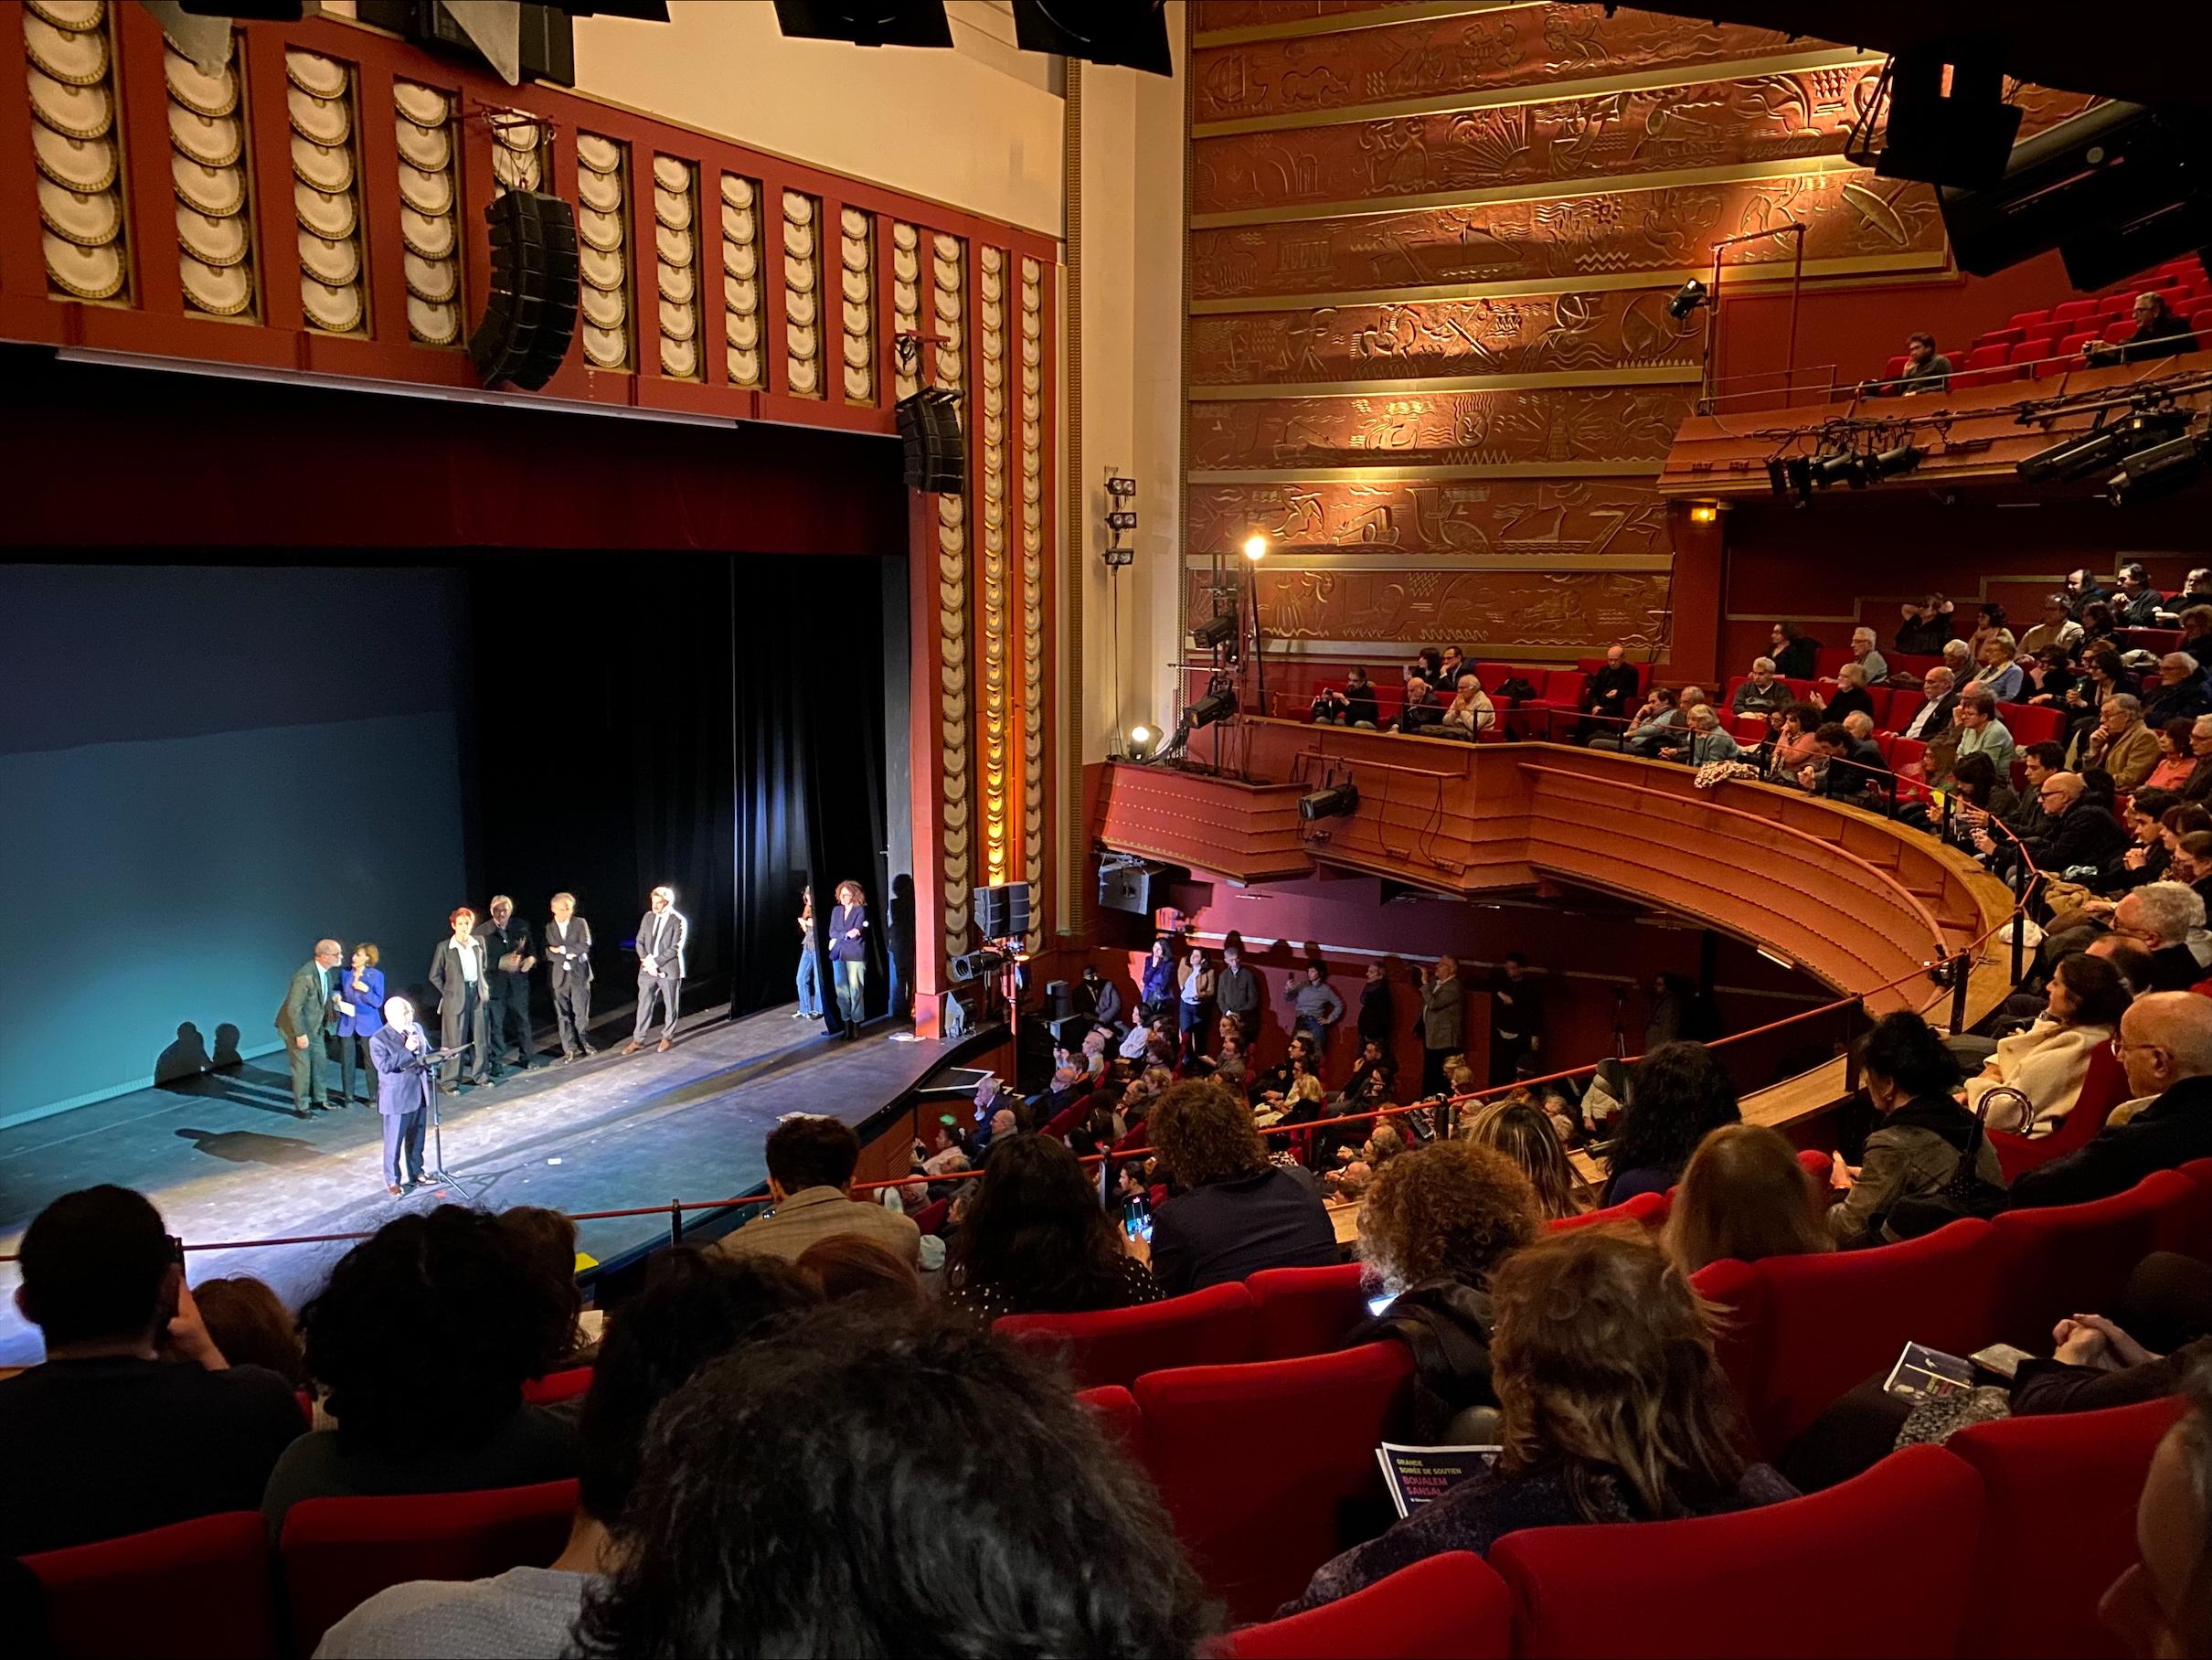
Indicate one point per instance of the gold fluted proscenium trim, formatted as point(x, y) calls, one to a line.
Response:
point(1633, 80)
point(1373, 475)
point(1334, 23)
point(947, 264)
point(1662, 373)
point(1031, 595)
point(1533, 190)
point(998, 826)
point(1396, 560)
point(1750, 271)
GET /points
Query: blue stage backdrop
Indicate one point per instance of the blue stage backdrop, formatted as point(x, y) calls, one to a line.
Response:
point(201, 771)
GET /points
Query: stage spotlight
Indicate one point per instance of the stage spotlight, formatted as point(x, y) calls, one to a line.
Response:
point(1837, 467)
point(1778, 476)
point(1137, 742)
point(1255, 547)
point(2102, 447)
point(867, 22)
point(1704, 513)
point(1892, 463)
point(1133, 33)
point(1331, 802)
point(1687, 298)
point(1213, 707)
point(2160, 470)
point(1215, 632)
point(1800, 469)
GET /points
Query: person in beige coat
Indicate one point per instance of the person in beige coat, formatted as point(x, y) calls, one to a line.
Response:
point(2120, 742)
point(2049, 1061)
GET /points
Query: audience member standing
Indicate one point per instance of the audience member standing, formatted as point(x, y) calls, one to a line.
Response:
point(457, 972)
point(809, 977)
point(1315, 1007)
point(1377, 1018)
point(359, 1005)
point(1517, 1019)
point(307, 1017)
point(1156, 987)
point(1232, 1213)
point(1443, 1017)
point(661, 932)
point(1237, 990)
point(1794, 653)
point(1036, 1240)
point(849, 956)
point(508, 958)
point(1195, 987)
point(135, 1419)
point(569, 949)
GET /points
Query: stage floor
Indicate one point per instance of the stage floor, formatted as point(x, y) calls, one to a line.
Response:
point(225, 1160)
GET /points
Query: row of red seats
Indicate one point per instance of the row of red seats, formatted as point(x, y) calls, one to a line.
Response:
point(2035, 345)
point(1820, 1576)
point(1894, 708)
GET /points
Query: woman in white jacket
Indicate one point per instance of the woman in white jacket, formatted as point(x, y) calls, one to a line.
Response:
point(2047, 1062)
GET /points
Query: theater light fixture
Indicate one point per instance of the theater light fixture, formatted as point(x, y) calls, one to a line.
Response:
point(1799, 471)
point(1255, 547)
point(1215, 632)
point(1331, 802)
point(1706, 513)
point(2102, 447)
point(1837, 467)
point(867, 22)
point(1687, 298)
point(1895, 463)
point(1215, 705)
point(2160, 470)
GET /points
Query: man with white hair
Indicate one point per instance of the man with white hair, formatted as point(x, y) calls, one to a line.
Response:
point(2182, 694)
point(2160, 917)
point(1939, 702)
point(404, 1077)
point(2166, 1044)
point(1959, 658)
point(2197, 786)
point(1708, 740)
point(2121, 743)
point(661, 933)
point(1673, 742)
point(1865, 651)
point(1762, 693)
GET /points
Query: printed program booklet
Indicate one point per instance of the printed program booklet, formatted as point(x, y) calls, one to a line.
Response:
point(1416, 1474)
point(1925, 1374)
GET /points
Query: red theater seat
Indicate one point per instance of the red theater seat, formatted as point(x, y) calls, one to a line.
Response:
point(2027, 320)
point(2065, 1259)
point(1805, 1329)
point(1988, 364)
point(2071, 309)
point(2059, 1526)
point(2104, 1087)
point(1879, 1566)
point(2031, 722)
point(1445, 1608)
point(2120, 333)
point(558, 1387)
point(339, 1552)
point(1649, 1208)
point(1306, 1311)
point(1209, 1327)
point(1117, 1412)
point(1269, 1470)
point(931, 1218)
point(199, 1589)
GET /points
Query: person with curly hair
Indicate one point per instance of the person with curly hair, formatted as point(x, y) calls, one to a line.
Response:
point(422, 1342)
point(1524, 1133)
point(1436, 1223)
point(1612, 1407)
point(863, 1484)
point(1676, 1094)
point(1036, 1240)
point(1231, 1212)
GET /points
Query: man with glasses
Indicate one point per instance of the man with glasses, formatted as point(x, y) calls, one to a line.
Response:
point(2160, 917)
point(2079, 833)
point(2166, 1044)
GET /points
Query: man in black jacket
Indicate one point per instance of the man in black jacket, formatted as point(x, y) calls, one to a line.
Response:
point(2158, 334)
point(1609, 695)
point(1422, 709)
point(2078, 835)
point(1855, 774)
point(2160, 917)
point(1237, 992)
point(508, 958)
point(2166, 1044)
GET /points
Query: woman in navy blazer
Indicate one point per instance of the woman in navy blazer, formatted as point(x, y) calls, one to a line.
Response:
point(362, 985)
point(848, 943)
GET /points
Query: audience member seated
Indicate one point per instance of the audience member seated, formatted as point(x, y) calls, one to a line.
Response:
point(2159, 333)
point(2082, 589)
point(1927, 627)
point(1851, 771)
point(1660, 714)
point(864, 1486)
point(1354, 705)
point(2100, 624)
point(2198, 788)
point(2039, 762)
point(2078, 832)
point(1526, 1135)
point(1762, 693)
point(1980, 732)
point(1421, 708)
point(1744, 1195)
point(1471, 711)
point(2163, 1603)
point(1990, 623)
point(1451, 667)
point(1794, 653)
point(845, 1267)
point(1436, 1224)
point(1609, 695)
point(1613, 1409)
point(1977, 797)
point(1865, 652)
point(2181, 693)
point(2047, 676)
point(811, 1160)
point(1923, 1135)
point(1926, 370)
point(2137, 603)
point(2163, 917)
point(249, 1324)
point(2047, 1062)
point(1791, 749)
point(1939, 701)
point(2000, 673)
point(1676, 1094)
point(2166, 1044)
point(1231, 1212)
point(136, 1419)
point(1852, 698)
point(2058, 629)
point(1708, 740)
point(1961, 657)
point(1036, 1240)
point(2174, 761)
point(694, 1308)
point(422, 1343)
point(2196, 623)
point(551, 1239)
point(1099, 1000)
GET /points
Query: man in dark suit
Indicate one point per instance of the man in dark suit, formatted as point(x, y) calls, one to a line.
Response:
point(403, 1092)
point(661, 932)
point(306, 1019)
point(508, 958)
point(1939, 705)
point(569, 949)
point(1610, 698)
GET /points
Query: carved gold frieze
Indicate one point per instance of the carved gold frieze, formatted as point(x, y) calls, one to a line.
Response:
point(947, 303)
point(990, 419)
point(422, 128)
point(1391, 602)
point(1030, 366)
point(603, 231)
point(1215, 16)
point(907, 283)
point(1543, 518)
point(675, 267)
point(856, 303)
point(803, 318)
point(742, 353)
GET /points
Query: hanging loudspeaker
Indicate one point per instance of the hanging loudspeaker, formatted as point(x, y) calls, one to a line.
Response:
point(1002, 912)
point(531, 317)
point(937, 456)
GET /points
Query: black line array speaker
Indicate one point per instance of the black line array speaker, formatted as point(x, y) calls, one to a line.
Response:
point(936, 454)
point(1002, 912)
point(531, 317)
point(1134, 887)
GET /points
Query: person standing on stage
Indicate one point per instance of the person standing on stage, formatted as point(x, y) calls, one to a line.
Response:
point(457, 971)
point(569, 949)
point(661, 932)
point(508, 959)
point(307, 1021)
point(361, 1006)
point(810, 970)
point(403, 1092)
point(849, 955)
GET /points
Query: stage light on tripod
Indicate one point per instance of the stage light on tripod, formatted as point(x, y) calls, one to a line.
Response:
point(1216, 631)
point(1331, 802)
point(1255, 547)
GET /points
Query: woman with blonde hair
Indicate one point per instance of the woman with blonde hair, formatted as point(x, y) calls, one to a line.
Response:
point(1744, 1195)
point(1523, 1132)
point(1612, 1407)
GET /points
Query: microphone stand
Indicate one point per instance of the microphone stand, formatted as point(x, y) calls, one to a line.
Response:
point(438, 1175)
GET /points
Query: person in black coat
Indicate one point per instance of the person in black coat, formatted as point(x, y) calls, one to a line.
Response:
point(508, 958)
point(1793, 653)
point(1233, 1213)
point(1421, 708)
point(2158, 334)
point(2166, 1044)
point(1855, 773)
point(1377, 1019)
point(2080, 833)
point(1610, 698)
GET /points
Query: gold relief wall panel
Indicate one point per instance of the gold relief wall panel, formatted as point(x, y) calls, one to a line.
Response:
point(1489, 52)
point(1589, 429)
point(1208, 15)
point(1392, 604)
point(1537, 518)
point(1566, 238)
point(1525, 335)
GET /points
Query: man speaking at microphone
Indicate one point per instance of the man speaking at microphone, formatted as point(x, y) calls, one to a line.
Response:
point(401, 1053)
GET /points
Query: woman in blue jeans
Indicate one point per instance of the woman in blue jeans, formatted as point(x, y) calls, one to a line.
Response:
point(849, 955)
point(810, 970)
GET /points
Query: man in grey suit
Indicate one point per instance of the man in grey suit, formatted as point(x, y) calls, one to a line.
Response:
point(569, 949)
point(1443, 1015)
point(661, 932)
point(403, 1093)
point(307, 1021)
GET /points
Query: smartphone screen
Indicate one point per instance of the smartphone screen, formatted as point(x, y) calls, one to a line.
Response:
point(1375, 1305)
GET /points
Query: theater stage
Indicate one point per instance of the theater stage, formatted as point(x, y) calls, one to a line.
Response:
point(225, 1160)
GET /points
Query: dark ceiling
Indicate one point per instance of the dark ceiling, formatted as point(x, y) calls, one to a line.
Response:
point(2152, 51)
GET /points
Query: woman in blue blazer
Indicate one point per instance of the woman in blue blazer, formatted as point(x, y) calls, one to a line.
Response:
point(362, 987)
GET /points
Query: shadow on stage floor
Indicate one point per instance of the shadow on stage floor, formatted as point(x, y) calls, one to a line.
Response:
point(226, 1160)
